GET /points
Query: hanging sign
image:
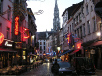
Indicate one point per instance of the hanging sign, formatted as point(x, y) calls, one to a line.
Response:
point(1, 38)
point(92, 51)
point(26, 33)
point(16, 25)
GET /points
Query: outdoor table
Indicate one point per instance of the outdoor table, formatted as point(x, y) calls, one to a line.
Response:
point(4, 72)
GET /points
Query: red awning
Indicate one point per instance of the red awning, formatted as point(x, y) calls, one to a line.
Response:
point(73, 52)
point(96, 43)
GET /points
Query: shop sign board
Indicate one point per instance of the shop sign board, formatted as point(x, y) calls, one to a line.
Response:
point(7, 43)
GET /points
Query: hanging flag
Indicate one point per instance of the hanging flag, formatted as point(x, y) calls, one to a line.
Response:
point(67, 36)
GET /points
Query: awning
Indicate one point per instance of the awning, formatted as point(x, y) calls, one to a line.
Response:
point(73, 52)
point(7, 50)
point(66, 52)
point(96, 43)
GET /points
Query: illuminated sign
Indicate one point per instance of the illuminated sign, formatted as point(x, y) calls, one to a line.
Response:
point(1, 37)
point(68, 38)
point(16, 25)
point(18, 45)
point(26, 32)
point(79, 45)
point(7, 44)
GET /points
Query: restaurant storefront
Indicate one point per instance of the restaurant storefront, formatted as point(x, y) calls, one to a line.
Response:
point(7, 53)
point(92, 49)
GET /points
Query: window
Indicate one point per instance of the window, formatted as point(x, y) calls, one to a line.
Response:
point(75, 31)
point(88, 26)
point(81, 32)
point(40, 48)
point(78, 32)
point(44, 43)
point(40, 43)
point(83, 29)
point(44, 47)
point(91, 8)
point(77, 19)
point(1, 6)
point(87, 11)
point(70, 28)
point(94, 25)
point(100, 26)
point(79, 16)
point(8, 32)
point(0, 27)
point(9, 12)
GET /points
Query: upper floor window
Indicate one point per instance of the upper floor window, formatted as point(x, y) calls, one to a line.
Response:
point(94, 25)
point(83, 29)
point(81, 32)
point(44, 43)
point(79, 16)
point(8, 32)
point(9, 12)
point(91, 8)
point(40, 48)
point(88, 26)
point(70, 28)
point(40, 43)
point(77, 19)
point(44, 47)
point(1, 6)
point(0, 27)
point(78, 32)
point(75, 32)
point(87, 11)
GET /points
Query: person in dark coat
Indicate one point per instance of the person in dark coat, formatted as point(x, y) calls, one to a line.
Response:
point(55, 68)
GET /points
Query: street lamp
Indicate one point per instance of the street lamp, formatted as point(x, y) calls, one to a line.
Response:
point(58, 48)
point(99, 35)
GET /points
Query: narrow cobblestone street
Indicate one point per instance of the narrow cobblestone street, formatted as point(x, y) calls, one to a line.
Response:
point(42, 70)
point(45, 70)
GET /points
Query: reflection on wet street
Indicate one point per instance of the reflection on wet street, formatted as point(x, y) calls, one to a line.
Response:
point(42, 70)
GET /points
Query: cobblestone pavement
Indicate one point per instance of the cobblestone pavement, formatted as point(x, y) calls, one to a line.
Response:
point(45, 70)
point(42, 70)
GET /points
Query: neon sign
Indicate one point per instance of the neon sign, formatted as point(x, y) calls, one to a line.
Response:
point(16, 25)
point(7, 44)
point(1, 38)
point(79, 45)
point(27, 33)
point(68, 38)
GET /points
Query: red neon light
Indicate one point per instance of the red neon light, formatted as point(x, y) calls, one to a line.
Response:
point(27, 33)
point(1, 38)
point(26, 37)
point(79, 45)
point(16, 25)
